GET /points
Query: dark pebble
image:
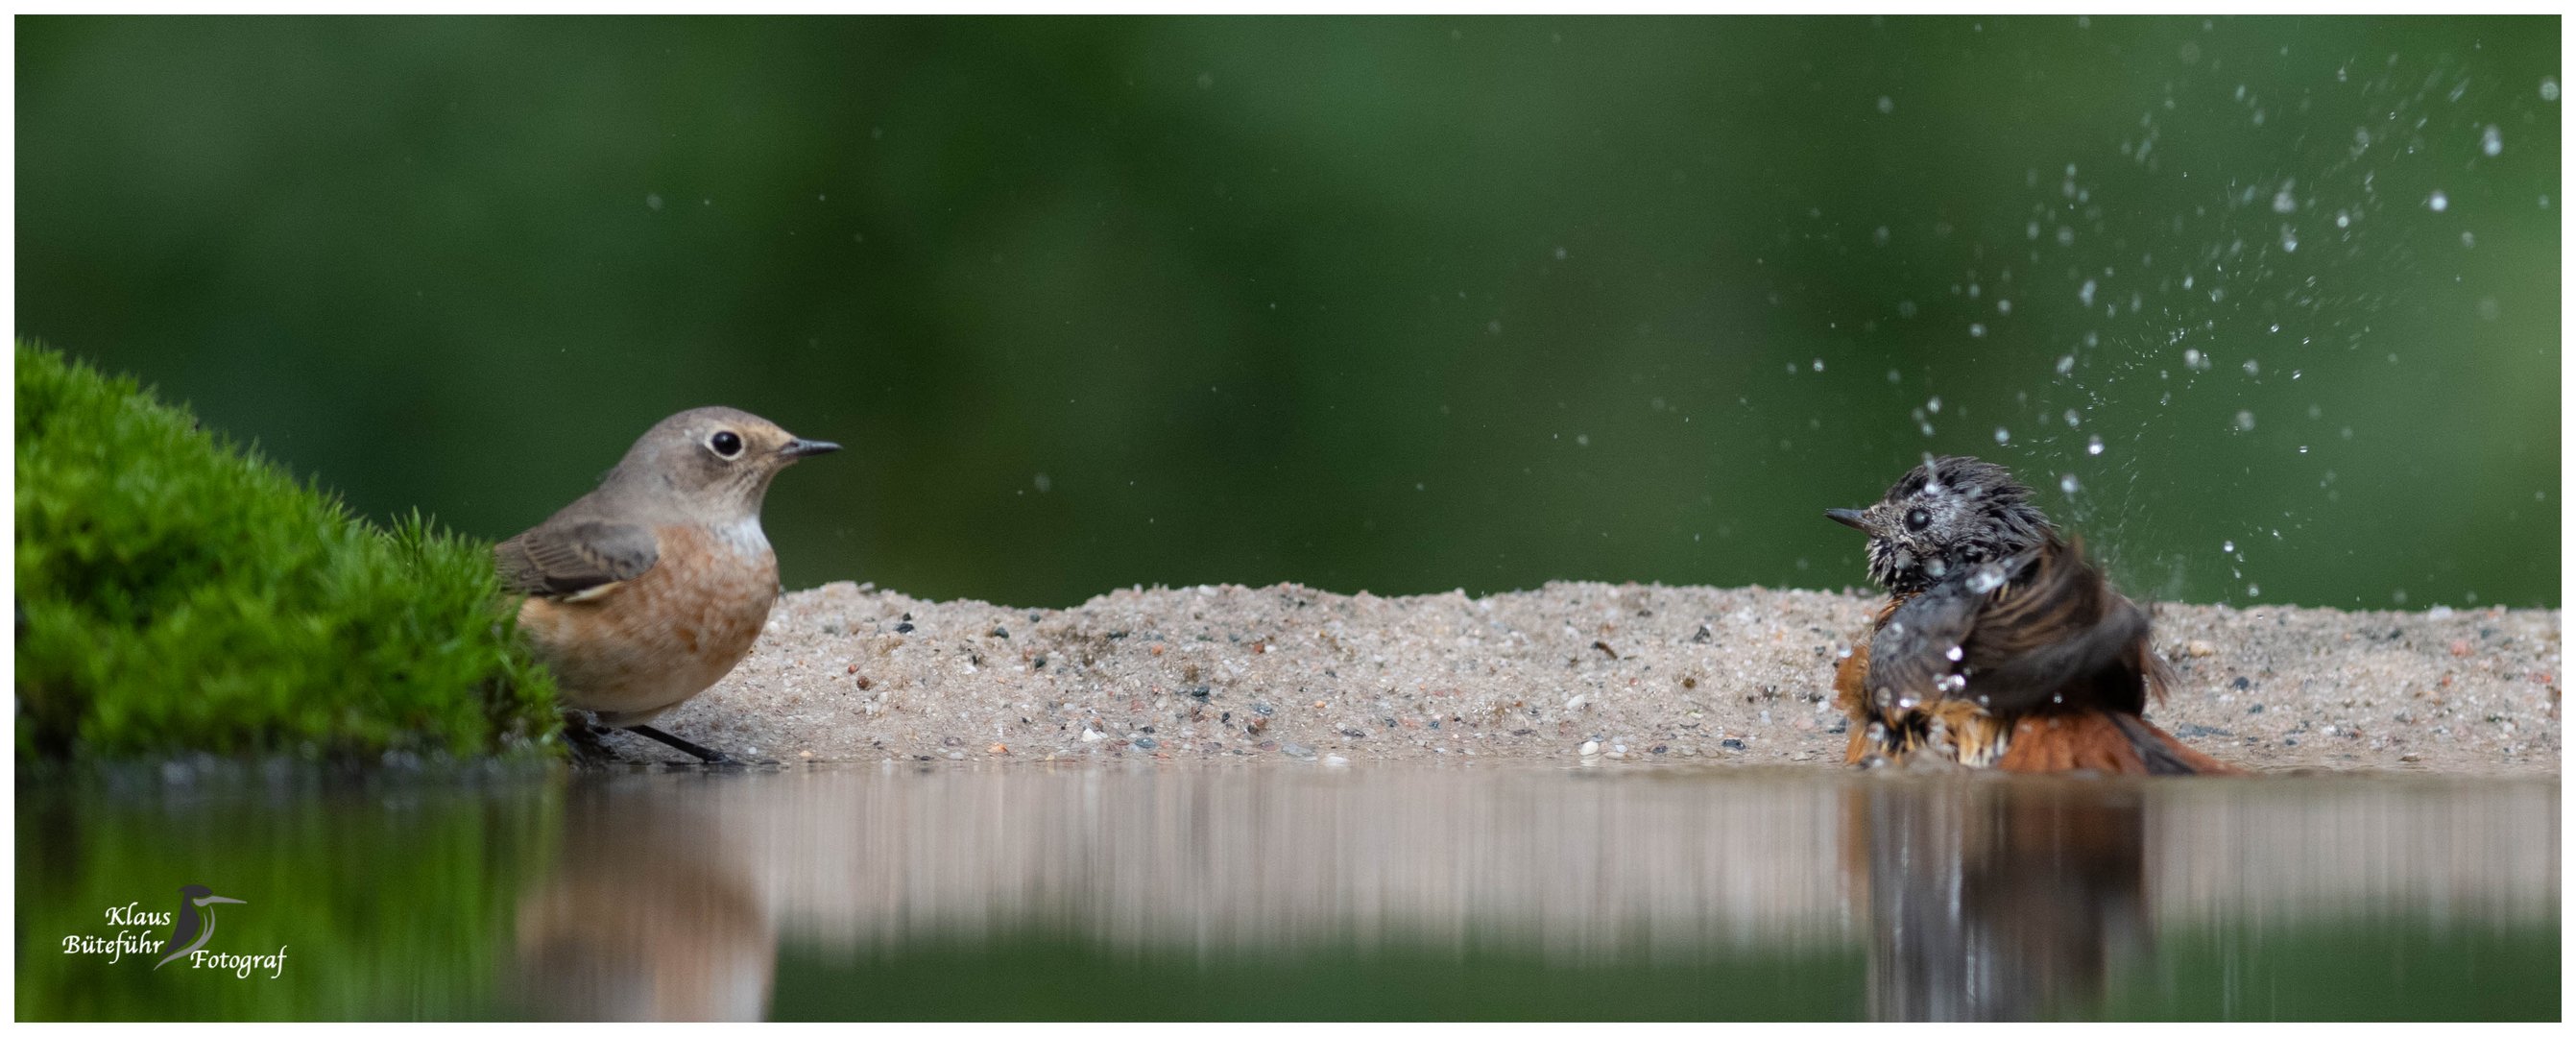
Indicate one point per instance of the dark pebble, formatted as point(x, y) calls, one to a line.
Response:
point(2255, 708)
point(1200, 693)
point(1736, 744)
point(1001, 633)
point(2240, 684)
point(903, 628)
point(1145, 743)
point(1262, 708)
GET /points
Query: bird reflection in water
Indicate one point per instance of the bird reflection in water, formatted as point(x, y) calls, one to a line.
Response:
point(1998, 900)
point(647, 916)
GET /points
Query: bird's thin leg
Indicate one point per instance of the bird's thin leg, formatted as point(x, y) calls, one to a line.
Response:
point(681, 744)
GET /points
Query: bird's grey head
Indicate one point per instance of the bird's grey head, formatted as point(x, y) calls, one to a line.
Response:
point(1945, 515)
point(712, 457)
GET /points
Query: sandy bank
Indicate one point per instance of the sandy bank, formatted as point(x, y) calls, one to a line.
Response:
point(1645, 675)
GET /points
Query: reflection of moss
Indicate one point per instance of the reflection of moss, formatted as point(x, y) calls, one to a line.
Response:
point(1047, 976)
point(2393, 969)
point(176, 592)
point(394, 902)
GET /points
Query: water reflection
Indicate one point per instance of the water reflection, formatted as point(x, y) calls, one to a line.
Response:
point(649, 915)
point(1974, 899)
point(1995, 900)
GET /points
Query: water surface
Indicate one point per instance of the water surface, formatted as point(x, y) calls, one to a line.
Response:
point(1309, 893)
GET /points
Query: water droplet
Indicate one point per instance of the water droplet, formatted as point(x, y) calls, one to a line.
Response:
point(2245, 421)
point(1933, 405)
point(1976, 331)
point(653, 202)
point(1955, 653)
point(1820, 365)
point(2439, 202)
point(2283, 202)
point(2228, 547)
point(2066, 364)
point(2067, 483)
point(2094, 446)
point(2548, 92)
point(2002, 436)
point(2085, 294)
point(2491, 140)
point(2253, 590)
point(1886, 105)
point(2073, 419)
point(2253, 368)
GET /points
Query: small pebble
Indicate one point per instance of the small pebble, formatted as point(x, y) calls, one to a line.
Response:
point(1576, 704)
point(2460, 648)
point(1589, 748)
point(2199, 649)
point(1092, 734)
point(1337, 760)
point(1298, 751)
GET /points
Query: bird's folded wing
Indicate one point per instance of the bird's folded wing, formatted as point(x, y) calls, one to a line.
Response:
point(575, 560)
point(2060, 636)
point(1913, 654)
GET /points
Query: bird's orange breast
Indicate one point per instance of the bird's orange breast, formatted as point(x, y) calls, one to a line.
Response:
point(665, 635)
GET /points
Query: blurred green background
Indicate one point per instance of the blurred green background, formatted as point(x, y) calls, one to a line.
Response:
point(1396, 304)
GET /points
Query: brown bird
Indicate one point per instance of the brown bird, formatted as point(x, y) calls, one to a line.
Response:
point(1999, 646)
point(650, 588)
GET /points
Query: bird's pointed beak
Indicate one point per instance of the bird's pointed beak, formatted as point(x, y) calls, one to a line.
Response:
point(797, 448)
point(203, 901)
point(1853, 517)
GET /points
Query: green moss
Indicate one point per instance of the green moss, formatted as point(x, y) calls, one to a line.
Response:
point(176, 592)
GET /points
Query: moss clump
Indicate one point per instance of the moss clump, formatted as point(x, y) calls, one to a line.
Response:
point(178, 593)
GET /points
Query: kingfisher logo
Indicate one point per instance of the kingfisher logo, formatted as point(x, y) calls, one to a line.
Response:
point(191, 927)
point(196, 923)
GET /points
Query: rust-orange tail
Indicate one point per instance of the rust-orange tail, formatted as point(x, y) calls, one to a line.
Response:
point(2101, 740)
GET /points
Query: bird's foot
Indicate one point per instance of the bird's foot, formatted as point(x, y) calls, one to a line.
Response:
point(582, 737)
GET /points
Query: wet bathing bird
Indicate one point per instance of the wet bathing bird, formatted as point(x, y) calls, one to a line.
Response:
point(192, 930)
point(650, 588)
point(2000, 646)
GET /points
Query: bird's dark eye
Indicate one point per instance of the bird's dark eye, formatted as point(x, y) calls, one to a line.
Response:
point(1918, 520)
point(725, 444)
